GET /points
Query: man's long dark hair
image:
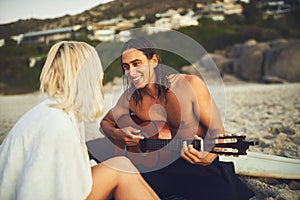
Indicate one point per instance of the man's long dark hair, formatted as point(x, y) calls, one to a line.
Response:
point(162, 83)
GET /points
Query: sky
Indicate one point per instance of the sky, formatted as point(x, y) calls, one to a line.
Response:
point(13, 10)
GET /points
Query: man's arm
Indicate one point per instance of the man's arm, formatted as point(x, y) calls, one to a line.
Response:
point(208, 116)
point(206, 109)
point(110, 128)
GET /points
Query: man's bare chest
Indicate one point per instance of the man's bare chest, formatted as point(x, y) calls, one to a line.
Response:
point(159, 111)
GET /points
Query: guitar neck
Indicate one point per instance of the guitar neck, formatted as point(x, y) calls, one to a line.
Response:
point(152, 144)
point(229, 145)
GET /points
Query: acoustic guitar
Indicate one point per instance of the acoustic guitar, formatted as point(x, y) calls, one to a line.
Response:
point(158, 143)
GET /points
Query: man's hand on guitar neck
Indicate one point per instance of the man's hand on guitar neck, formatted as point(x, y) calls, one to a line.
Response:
point(193, 156)
point(131, 136)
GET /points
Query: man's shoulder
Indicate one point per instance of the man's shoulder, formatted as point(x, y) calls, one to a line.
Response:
point(185, 77)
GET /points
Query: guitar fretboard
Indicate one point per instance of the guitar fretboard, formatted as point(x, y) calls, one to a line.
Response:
point(167, 144)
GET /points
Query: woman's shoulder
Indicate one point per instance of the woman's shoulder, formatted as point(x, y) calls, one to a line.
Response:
point(43, 115)
point(40, 123)
point(44, 111)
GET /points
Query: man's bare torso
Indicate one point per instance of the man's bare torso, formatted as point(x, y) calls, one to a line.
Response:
point(178, 111)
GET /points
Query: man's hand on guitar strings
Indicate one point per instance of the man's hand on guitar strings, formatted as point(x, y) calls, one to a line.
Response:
point(131, 136)
point(193, 156)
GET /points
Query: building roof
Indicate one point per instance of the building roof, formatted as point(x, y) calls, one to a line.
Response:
point(48, 32)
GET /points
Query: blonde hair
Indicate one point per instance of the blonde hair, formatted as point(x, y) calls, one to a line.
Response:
point(72, 75)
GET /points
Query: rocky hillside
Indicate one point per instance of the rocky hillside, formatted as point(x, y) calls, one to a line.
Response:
point(127, 9)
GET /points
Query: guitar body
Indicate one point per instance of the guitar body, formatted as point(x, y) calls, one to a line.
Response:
point(150, 130)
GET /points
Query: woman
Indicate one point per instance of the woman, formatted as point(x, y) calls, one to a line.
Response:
point(45, 157)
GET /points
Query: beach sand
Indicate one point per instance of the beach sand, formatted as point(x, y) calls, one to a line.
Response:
point(270, 113)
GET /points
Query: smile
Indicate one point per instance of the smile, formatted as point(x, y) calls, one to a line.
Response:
point(135, 79)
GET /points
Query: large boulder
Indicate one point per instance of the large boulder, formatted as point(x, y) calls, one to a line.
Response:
point(283, 61)
point(246, 60)
point(206, 67)
point(253, 61)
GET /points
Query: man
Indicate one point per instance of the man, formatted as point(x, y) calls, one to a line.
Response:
point(184, 103)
